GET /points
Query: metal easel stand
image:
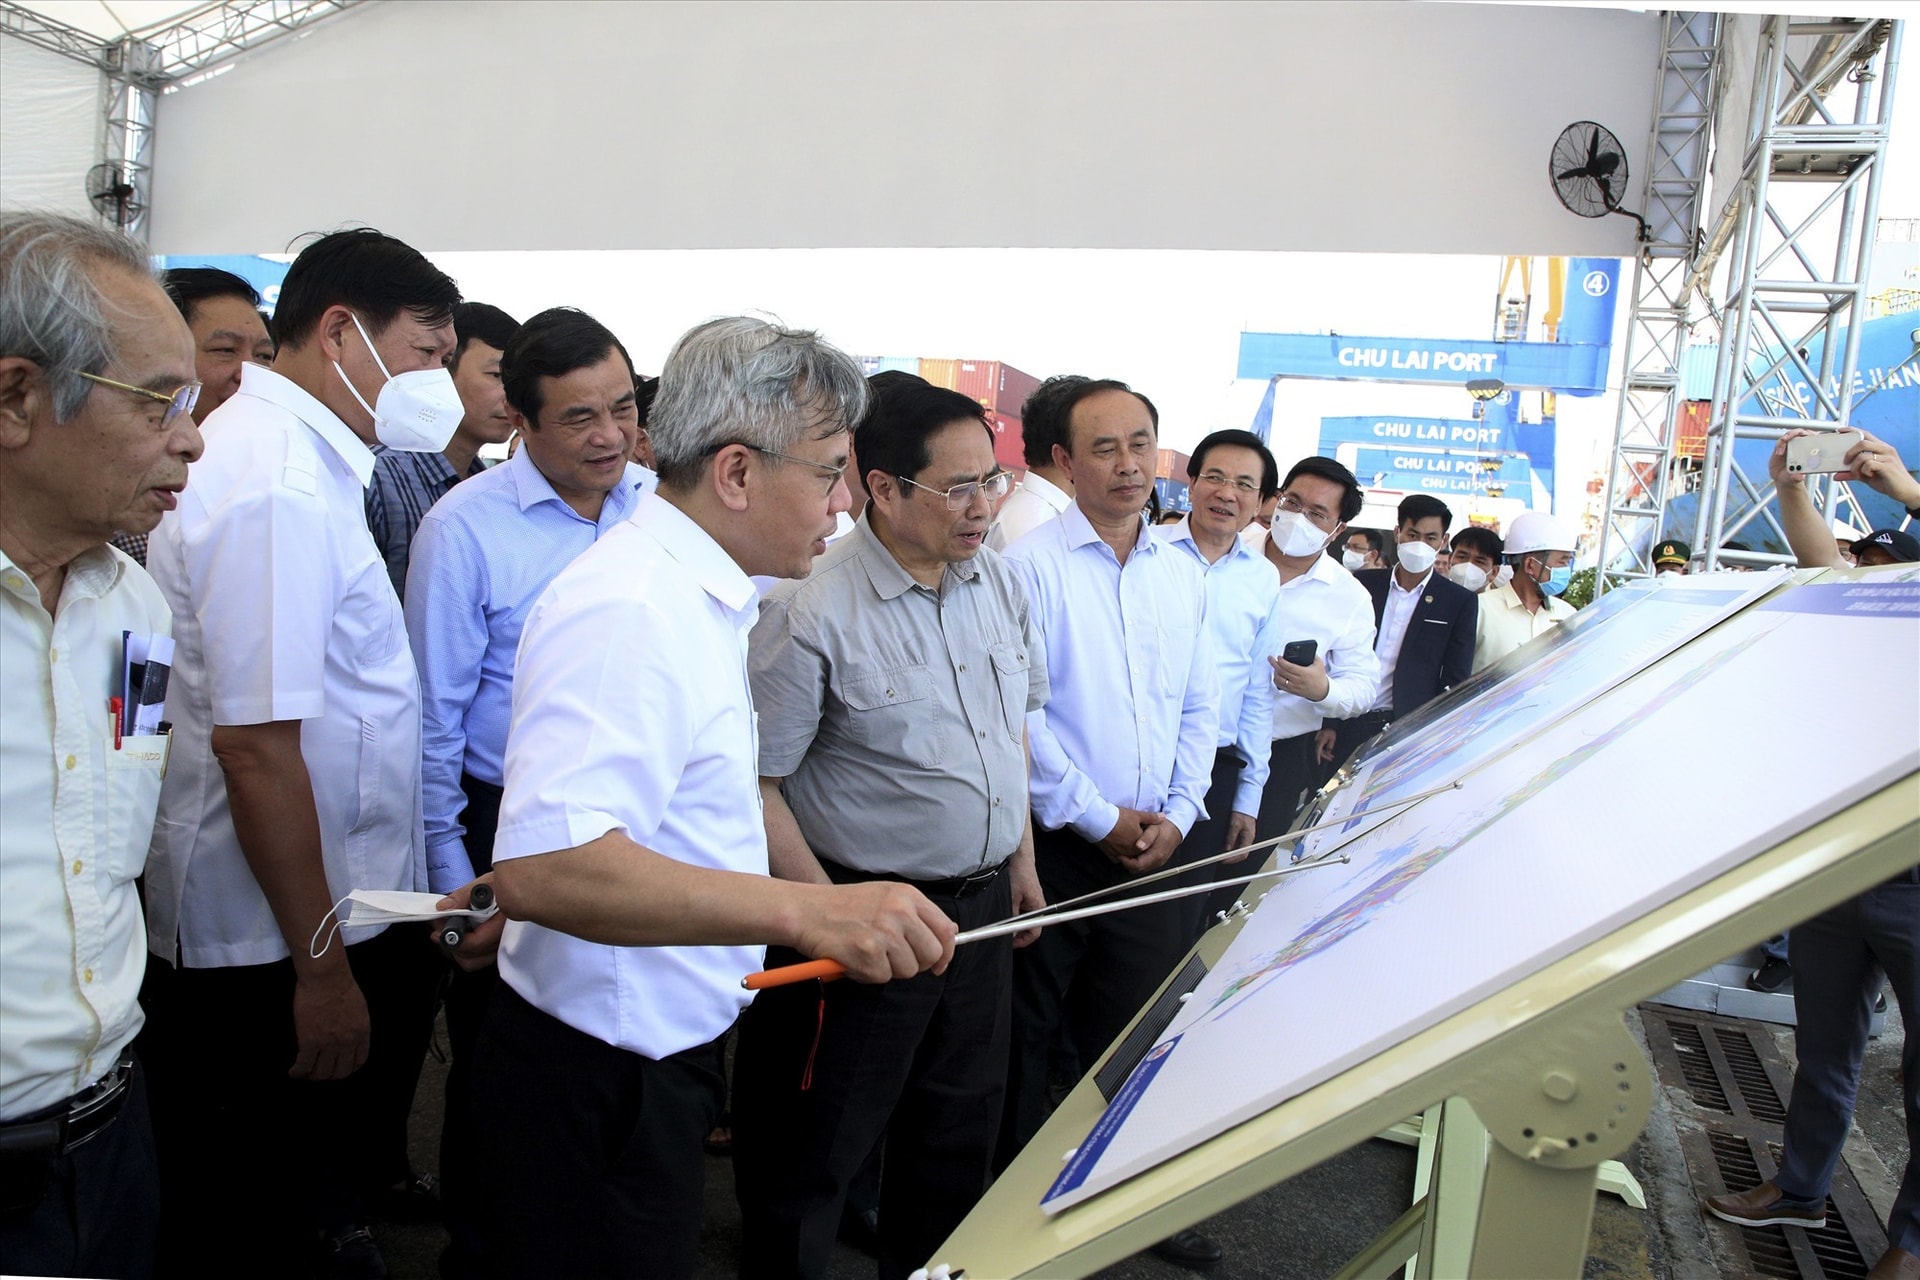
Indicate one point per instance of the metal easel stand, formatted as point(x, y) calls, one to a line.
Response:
point(1513, 1195)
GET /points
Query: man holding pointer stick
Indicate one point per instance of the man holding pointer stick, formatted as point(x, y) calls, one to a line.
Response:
point(631, 857)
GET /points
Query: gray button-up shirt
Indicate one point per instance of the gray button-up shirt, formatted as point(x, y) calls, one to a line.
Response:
point(895, 713)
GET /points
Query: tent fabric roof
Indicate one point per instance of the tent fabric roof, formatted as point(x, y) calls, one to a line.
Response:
point(111, 19)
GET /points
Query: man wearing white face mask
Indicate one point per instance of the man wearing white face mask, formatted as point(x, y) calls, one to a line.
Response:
point(295, 779)
point(1476, 559)
point(1425, 625)
point(1319, 602)
point(1539, 551)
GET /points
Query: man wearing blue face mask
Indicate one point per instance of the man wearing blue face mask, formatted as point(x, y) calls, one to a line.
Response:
point(295, 779)
point(1539, 549)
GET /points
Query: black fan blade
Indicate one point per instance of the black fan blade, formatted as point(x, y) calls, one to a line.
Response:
point(1606, 189)
point(1593, 148)
point(1565, 174)
point(1605, 162)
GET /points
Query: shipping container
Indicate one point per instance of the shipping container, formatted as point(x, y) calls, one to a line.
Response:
point(1174, 494)
point(1009, 442)
point(1690, 439)
point(1172, 465)
point(998, 387)
point(941, 373)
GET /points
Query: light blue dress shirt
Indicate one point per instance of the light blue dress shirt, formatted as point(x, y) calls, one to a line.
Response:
point(1243, 622)
point(1134, 715)
point(481, 558)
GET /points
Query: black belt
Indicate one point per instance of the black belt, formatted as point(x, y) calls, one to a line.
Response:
point(956, 887)
point(66, 1125)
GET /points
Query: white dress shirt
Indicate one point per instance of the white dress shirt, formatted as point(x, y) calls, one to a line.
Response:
point(1395, 618)
point(75, 816)
point(1033, 502)
point(1326, 604)
point(1243, 623)
point(632, 713)
point(1504, 624)
point(284, 612)
point(1134, 715)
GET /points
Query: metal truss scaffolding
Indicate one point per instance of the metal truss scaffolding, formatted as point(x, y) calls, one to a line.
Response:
point(136, 68)
point(1802, 249)
point(1657, 326)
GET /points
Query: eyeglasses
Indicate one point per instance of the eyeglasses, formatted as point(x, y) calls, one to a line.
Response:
point(180, 401)
point(1318, 515)
point(1221, 480)
point(834, 473)
point(961, 496)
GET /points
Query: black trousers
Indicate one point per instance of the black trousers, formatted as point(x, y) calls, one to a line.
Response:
point(468, 995)
point(1293, 776)
point(1086, 977)
point(588, 1162)
point(1208, 837)
point(98, 1208)
point(252, 1161)
point(823, 1070)
point(1349, 734)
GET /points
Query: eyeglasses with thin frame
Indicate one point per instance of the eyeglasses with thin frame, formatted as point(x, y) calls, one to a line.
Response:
point(179, 401)
point(833, 472)
point(1221, 480)
point(960, 496)
point(1315, 514)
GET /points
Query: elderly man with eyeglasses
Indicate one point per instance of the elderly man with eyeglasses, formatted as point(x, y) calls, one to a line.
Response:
point(96, 431)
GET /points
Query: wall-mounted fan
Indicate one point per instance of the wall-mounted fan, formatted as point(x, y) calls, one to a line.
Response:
point(112, 193)
point(1589, 172)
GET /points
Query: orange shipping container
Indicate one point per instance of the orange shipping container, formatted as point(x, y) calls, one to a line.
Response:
point(1009, 443)
point(941, 373)
point(1172, 465)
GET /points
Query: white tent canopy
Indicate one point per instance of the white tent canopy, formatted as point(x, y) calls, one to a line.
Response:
point(1334, 127)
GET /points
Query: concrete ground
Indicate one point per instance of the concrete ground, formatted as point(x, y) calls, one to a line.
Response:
point(1311, 1225)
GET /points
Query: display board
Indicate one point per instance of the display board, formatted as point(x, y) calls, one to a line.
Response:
point(1467, 892)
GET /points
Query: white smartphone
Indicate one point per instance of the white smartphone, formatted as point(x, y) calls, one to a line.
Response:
point(1823, 452)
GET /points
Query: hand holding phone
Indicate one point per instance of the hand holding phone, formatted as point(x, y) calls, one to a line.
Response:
point(1821, 452)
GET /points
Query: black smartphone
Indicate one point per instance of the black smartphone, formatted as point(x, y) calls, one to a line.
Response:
point(1300, 652)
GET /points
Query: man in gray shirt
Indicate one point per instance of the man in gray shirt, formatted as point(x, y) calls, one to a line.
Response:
point(892, 687)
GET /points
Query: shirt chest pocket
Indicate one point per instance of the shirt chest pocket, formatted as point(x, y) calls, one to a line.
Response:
point(370, 615)
point(893, 714)
point(134, 771)
point(1011, 672)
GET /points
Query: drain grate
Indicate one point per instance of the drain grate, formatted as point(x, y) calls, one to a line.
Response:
point(1738, 1083)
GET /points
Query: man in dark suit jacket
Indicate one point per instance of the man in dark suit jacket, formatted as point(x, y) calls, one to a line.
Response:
point(1423, 628)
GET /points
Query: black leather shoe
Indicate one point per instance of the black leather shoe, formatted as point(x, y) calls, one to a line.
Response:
point(1189, 1249)
point(415, 1200)
point(350, 1254)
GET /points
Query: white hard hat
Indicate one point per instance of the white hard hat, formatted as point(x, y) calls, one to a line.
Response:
point(1533, 531)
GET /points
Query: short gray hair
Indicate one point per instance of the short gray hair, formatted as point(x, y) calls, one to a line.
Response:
point(51, 311)
point(738, 380)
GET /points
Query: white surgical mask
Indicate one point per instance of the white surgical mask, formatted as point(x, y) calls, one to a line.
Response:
point(365, 907)
point(1503, 575)
point(1470, 576)
point(1295, 535)
point(1353, 559)
point(1670, 573)
point(415, 412)
point(1416, 557)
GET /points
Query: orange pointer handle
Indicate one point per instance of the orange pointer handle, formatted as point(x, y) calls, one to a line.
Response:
point(787, 975)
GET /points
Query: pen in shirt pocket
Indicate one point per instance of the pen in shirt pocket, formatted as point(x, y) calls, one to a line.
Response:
point(115, 708)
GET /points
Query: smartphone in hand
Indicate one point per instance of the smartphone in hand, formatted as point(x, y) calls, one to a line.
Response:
point(1300, 652)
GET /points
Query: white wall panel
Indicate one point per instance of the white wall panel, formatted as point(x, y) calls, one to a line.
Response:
point(50, 128)
point(1364, 127)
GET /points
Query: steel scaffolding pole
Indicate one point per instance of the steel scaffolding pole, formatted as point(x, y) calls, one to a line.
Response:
point(1658, 324)
point(1822, 96)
